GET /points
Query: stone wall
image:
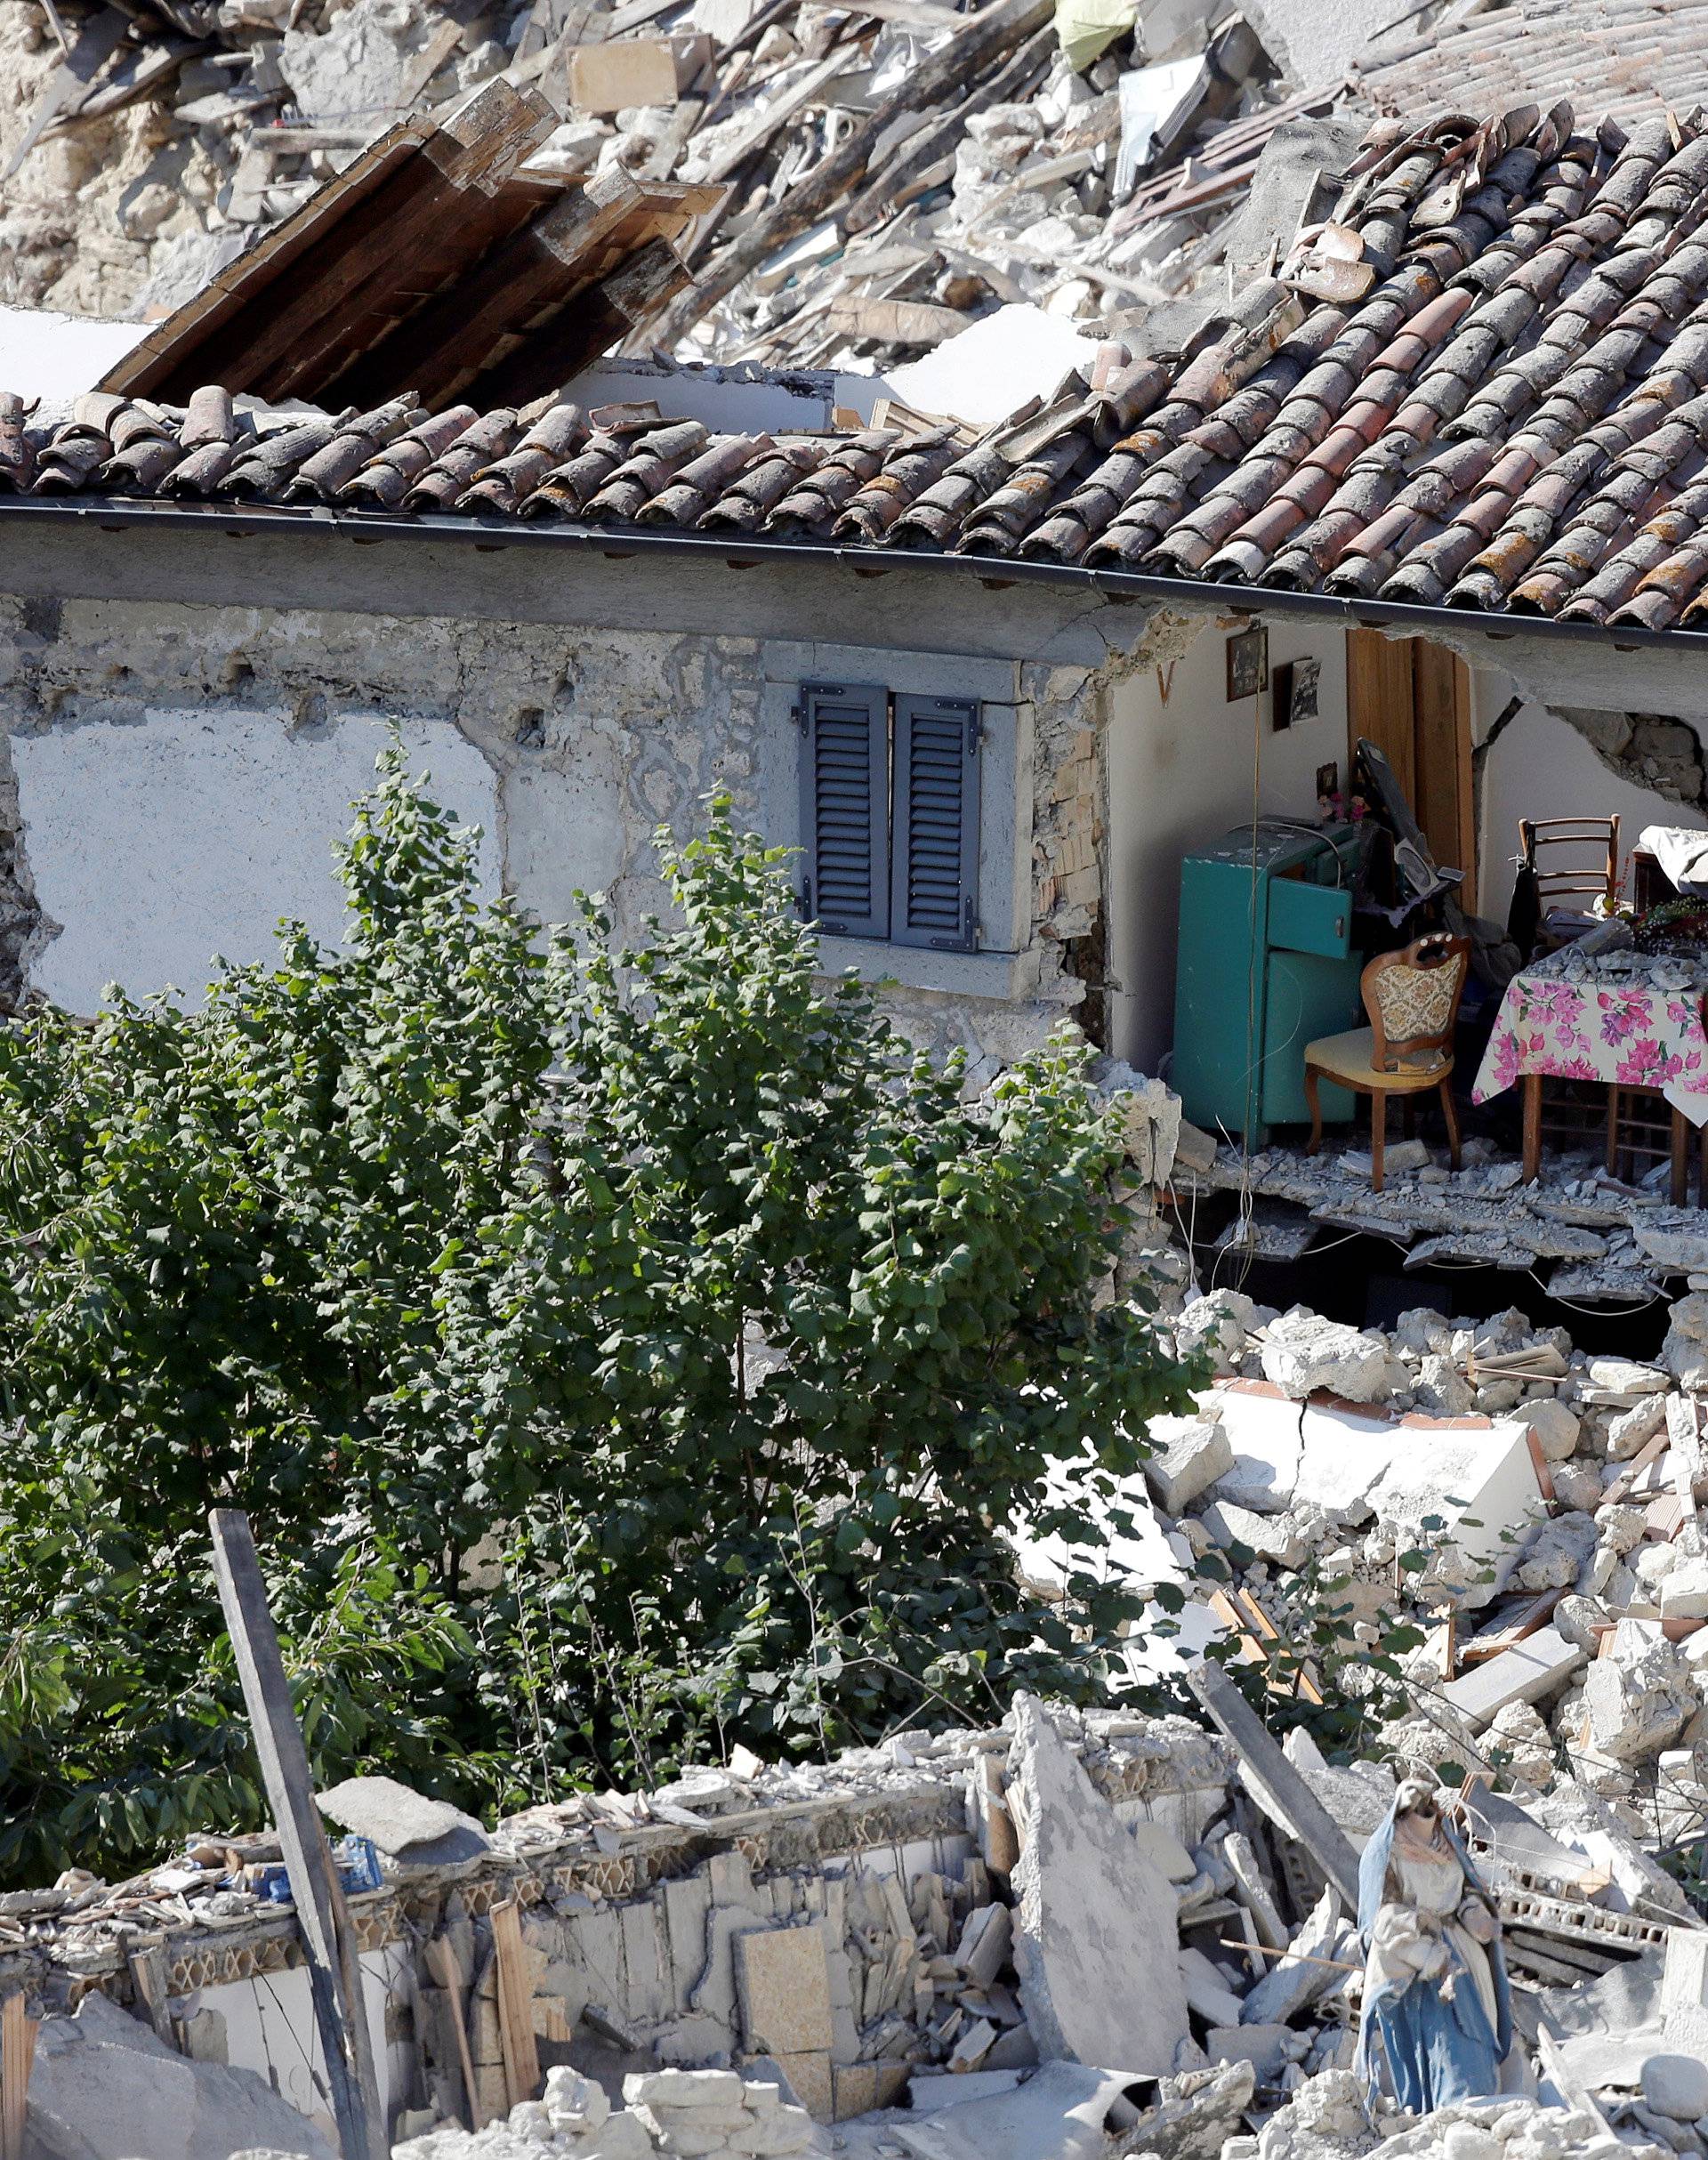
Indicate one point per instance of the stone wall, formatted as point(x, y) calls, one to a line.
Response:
point(172, 777)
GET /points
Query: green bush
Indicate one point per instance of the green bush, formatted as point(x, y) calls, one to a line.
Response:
point(619, 1354)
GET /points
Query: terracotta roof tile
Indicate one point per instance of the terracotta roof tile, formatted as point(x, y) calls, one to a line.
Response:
point(1511, 416)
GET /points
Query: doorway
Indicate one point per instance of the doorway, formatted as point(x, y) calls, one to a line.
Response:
point(1411, 699)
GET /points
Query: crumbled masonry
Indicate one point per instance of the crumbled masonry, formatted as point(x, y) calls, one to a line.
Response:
point(1076, 1932)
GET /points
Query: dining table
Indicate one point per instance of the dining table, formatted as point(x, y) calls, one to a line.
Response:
point(1623, 1018)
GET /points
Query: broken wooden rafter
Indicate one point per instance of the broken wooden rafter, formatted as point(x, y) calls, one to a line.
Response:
point(984, 40)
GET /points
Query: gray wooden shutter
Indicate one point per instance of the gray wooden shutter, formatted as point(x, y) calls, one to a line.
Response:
point(845, 807)
point(935, 872)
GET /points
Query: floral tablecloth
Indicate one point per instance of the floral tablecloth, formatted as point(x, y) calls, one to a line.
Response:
point(1599, 1028)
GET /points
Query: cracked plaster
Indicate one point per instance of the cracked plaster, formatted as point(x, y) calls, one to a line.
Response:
point(182, 771)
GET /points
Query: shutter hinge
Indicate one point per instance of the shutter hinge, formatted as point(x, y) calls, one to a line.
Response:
point(969, 922)
point(804, 899)
point(974, 730)
point(798, 715)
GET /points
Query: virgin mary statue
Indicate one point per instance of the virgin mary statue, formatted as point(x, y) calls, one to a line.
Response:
point(1436, 2007)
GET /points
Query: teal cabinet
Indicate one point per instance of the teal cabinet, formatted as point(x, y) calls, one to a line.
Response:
point(1266, 964)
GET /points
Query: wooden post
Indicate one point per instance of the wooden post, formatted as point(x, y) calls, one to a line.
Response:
point(17, 2054)
point(1283, 1789)
point(1532, 1127)
point(322, 1919)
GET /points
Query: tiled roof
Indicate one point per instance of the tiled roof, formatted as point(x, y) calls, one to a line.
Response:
point(1629, 59)
point(1485, 386)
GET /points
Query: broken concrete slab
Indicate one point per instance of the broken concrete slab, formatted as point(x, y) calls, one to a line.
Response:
point(407, 1825)
point(1302, 1353)
point(1307, 1973)
point(1094, 1942)
point(1194, 1453)
point(1530, 1670)
point(1066, 2110)
point(104, 2084)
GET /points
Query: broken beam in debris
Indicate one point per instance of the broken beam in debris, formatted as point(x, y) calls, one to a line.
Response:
point(322, 1919)
point(17, 2055)
point(1274, 1778)
point(515, 1992)
point(927, 146)
point(441, 1964)
point(981, 42)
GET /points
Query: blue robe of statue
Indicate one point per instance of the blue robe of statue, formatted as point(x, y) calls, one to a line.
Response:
point(1437, 2050)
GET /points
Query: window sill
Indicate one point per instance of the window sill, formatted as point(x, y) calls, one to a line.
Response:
point(998, 976)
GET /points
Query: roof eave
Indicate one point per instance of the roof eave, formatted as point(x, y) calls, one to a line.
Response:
point(369, 528)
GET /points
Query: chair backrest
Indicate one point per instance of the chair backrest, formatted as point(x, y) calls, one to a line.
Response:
point(1411, 997)
point(1571, 858)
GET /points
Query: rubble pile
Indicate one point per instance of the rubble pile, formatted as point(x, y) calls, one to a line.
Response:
point(892, 175)
point(1590, 1238)
point(959, 1943)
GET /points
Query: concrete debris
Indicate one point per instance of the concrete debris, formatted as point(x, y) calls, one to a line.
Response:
point(105, 2086)
point(1080, 1932)
point(1081, 187)
point(1089, 1909)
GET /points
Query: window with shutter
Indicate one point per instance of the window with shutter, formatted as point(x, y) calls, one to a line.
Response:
point(845, 807)
point(935, 848)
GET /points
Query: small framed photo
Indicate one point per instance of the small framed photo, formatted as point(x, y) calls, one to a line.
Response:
point(1295, 687)
point(1248, 663)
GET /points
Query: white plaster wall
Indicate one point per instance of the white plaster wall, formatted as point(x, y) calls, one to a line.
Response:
point(1540, 766)
point(1181, 772)
point(157, 844)
point(269, 2028)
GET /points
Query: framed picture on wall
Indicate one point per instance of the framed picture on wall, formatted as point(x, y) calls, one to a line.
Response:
point(1248, 663)
point(1294, 689)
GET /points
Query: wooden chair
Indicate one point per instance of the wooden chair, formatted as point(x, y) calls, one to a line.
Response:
point(1413, 999)
point(1573, 867)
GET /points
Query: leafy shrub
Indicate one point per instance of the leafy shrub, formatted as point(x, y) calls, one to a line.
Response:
point(619, 1354)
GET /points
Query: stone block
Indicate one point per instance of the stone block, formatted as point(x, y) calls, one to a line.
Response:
point(1095, 1927)
point(1684, 1590)
point(809, 2078)
point(1272, 1537)
point(1194, 1453)
point(1557, 1430)
point(1207, 1993)
point(1684, 1990)
point(683, 2089)
point(104, 2082)
point(687, 1902)
point(645, 1963)
point(1303, 1352)
point(854, 2090)
point(1267, 2048)
point(783, 1987)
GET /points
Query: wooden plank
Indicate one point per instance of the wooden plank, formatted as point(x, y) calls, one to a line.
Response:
point(322, 1920)
point(887, 185)
point(1441, 742)
point(984, 41)
point(515, 2017)
point(1379, 703)
point(17, 2056)
point(1273, 1779)
point(440, 1960)
point(896, 322)
point(436, 196)
point(761, 129)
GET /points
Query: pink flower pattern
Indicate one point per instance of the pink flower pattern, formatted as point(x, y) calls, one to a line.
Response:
point(1636, 1037)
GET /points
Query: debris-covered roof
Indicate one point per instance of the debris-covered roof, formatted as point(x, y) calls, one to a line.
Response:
point(1482, 385)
